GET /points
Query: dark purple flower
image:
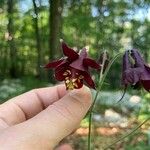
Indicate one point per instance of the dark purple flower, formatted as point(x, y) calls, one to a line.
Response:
point(74, 68)
point(135, 70)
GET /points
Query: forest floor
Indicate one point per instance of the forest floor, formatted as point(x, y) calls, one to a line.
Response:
point(104, 136)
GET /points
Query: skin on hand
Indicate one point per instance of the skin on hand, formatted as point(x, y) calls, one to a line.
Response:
point(41, 118)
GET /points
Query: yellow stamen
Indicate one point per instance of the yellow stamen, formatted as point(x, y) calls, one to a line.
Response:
point(71, 84)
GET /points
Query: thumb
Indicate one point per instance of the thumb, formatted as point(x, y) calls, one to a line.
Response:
point(55, 122)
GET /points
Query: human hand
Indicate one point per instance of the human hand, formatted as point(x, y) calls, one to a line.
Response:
point(39, 119)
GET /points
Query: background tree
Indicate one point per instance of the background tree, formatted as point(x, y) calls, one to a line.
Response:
point(55, 23)
point(38, 39)
point(11, 40)
point(55, 27)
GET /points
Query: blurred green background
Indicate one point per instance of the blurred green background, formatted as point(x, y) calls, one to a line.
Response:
point(30, 31)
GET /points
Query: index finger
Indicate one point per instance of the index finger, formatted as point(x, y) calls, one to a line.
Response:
point(27, 105)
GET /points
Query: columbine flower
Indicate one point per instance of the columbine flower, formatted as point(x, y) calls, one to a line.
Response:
point(135, 71)
point(74, 68)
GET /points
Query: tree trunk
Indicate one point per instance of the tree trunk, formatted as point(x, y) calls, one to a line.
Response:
point(55, 29)
point(55, 20)
point(38, 40)
point(11, 42)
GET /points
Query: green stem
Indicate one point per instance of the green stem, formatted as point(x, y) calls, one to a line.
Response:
point(125, 136)
point(91, 109)
point(90, 121)
point(89, 135)
point(100, 83)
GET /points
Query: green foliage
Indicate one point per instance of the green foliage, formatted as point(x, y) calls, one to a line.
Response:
point(145, 108)
point(13, 87)
point(137, 141)
point(113, 25)
point(140, 146)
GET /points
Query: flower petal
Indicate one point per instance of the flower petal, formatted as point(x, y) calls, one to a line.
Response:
point(146, 85)
point(80, 84)
point(70, 53)
point(64, 64)
point(59, 74)
point(54, 64)
point(139, 62)
point(60, 69)
point(145, 74)
point(126, 62)
point(132, 76)
point(127, 77)
point(88, 80)
point(78, 64)
point(91, 63)
point(147, 68)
